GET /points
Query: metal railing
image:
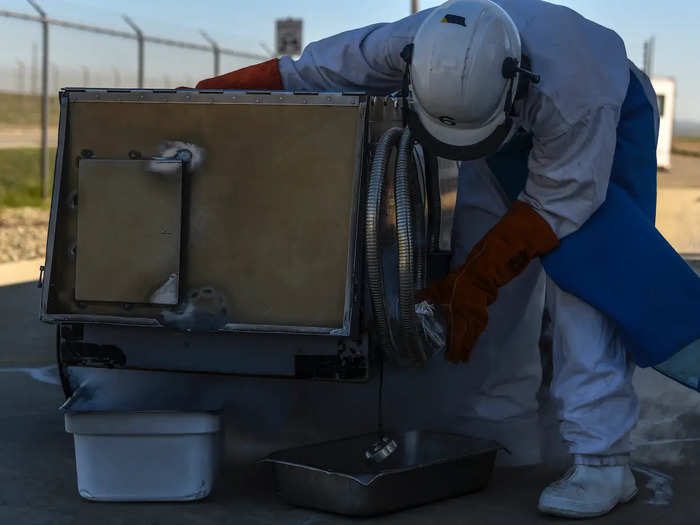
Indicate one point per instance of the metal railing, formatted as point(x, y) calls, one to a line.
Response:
point(137, 34)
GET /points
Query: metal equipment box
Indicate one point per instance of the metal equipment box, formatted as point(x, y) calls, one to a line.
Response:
point(243, 255)
point(259, 242)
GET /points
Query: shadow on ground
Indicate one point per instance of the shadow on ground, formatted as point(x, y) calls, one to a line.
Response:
point(24, 341)
point(38, 480)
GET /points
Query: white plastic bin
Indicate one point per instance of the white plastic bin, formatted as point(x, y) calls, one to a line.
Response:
point(145, 456)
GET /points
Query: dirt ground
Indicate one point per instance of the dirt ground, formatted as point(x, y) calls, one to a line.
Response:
point(25, 137)
point(688, 146)
point(23, 233)
point(678, 209)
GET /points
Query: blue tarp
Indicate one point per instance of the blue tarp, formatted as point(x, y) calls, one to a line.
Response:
point(617, 261)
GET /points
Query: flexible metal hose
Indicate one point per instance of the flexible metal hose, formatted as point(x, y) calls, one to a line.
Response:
point(375, 274)
point(409, 345)
point(432, 187)
point(418, 188)
point(411, 252)
point(428, 173)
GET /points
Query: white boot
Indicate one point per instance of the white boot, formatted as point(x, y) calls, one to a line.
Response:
point(587, 491)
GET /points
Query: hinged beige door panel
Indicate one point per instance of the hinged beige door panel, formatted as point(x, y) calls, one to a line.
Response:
point(271, 212)
point(128, 238)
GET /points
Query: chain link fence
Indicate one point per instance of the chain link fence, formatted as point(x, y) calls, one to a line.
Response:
point(40, 77)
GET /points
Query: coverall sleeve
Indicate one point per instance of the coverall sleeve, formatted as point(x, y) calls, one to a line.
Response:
point(366, 59)
point(570, 165)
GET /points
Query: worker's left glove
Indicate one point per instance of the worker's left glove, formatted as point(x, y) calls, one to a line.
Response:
point(501, 255)
point(265, 75)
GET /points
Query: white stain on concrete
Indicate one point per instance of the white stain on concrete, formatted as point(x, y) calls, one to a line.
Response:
point(44, 374)
point(660, 485)
point(667, 441)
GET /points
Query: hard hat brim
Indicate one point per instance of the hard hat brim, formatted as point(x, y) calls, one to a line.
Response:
point(454, 136)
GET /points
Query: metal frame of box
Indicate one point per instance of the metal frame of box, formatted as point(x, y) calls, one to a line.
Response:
point(352, 298)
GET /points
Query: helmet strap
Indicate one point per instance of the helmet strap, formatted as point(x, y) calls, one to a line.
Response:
point(524, 80)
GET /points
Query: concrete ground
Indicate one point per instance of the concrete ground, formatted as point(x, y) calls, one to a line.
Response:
point(38, 484)
point(38, 479)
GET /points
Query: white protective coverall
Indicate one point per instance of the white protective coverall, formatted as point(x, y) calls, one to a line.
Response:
point(573, 115)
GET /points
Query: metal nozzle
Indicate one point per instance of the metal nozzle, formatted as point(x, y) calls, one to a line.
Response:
point(381, 450)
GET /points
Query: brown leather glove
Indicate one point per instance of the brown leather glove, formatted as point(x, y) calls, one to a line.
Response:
point(265, 75)
point(503, 253)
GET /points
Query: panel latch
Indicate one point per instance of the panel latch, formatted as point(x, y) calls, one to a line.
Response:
point(40, 283)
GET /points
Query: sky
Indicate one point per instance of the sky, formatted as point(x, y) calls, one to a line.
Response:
point(78, 57)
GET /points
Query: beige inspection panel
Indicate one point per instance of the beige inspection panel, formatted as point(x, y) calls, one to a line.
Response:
point(269, 218)
point(128, 232)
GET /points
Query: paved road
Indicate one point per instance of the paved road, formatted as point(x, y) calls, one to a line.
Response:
point(25, 137)
point(24, 341)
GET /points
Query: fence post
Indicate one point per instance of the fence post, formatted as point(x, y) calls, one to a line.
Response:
point(21, 74)
point(139, 38)
point(35, 67)
point(44, 155)
point(54, 77)
point(215, 48)
point(267, 49)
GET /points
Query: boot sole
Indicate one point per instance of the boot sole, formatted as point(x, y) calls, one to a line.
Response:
point(571, 513)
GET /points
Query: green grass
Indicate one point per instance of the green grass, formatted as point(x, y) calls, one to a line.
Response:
point(25, 110)
point(20, 183)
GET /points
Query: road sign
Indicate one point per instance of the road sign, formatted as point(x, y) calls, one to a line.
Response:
point(288, 38)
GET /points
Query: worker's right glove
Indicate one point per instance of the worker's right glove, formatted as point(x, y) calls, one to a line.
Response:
point(501, 255)
point(265, 75)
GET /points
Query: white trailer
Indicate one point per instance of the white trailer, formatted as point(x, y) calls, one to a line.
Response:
point(665, 88)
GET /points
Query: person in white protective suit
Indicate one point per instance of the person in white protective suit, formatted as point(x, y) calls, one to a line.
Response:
point(470, 95)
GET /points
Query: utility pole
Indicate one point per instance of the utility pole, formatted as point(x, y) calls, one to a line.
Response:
point(117, 77)
point(267, 49)
point(44, 156)
point(35, 70)
point(86, 76)
point(140, 39)
point(215, 48)
point(54, 77)
point(649, 49)
point(21, 74)
point(414, 6)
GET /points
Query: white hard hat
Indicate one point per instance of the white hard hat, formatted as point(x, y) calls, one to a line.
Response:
point(464, 75)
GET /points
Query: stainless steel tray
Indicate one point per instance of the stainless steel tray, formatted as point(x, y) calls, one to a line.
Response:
point(428, 466)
